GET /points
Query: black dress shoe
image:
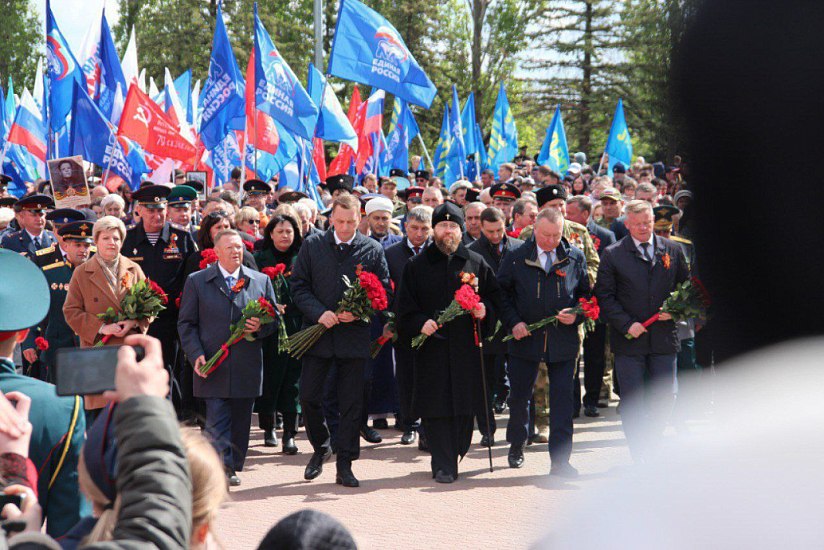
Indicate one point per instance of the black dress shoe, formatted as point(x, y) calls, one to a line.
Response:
point(563, 469)
point(533, 437)
point(408, 438)
point(270, 438)
point(232, 479)
point(278, 421)
point(315, 466)
point(380, 424)
point(591, 411)
point(443, 477)
point(346, 478)
point(499, 407)
point(488, 441)
point(516, 455)
point(422, 446)
point(370, 434)
point(289, 446)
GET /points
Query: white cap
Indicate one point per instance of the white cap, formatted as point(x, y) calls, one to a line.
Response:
point(379, 204)
point(460, 184)
point(575, 168)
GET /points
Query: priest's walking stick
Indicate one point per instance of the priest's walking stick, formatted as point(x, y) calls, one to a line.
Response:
point(479, 341)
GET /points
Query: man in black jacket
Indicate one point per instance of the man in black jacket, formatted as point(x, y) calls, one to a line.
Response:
point(317, 287)
point(543, 278)
point(635, 277)
point(418, 230)
point(493, 245)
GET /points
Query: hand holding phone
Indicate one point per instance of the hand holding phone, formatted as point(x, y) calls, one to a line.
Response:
point(139, 376)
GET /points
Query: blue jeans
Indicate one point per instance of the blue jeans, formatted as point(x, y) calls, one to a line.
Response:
point(647, 395)
point(228, 422)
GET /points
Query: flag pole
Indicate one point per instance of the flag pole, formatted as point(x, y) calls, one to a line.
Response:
point(425, 152)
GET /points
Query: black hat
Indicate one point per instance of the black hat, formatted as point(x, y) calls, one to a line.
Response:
point(257, 187)
point(397, 172)
point(664, 215)
point(340, 181)
point(194, 184)
point(4, 180)
point(505, 191)
point(62, 216)
point(658, 170)
point(619, 168)
point(425, 174)
point(308, 529)
point(182, 196)
point(413, 191)
point(35, 203)
point(8, 202)
point(472, 195)
point(291, 196)
point(152, 196)
point(80, 231)
point(550, 193)
point(448, 212)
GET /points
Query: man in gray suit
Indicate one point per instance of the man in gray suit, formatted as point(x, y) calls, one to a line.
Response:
point(213, 299)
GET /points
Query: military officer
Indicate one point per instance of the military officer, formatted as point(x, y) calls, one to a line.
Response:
point(180, 201)
point(257, 191)
point(413, 197)
point(422, 178)
point(504, 196)
point(58, 423)
point(31, 215)
point(161, 250)
point(57, 252)
point(14, 225)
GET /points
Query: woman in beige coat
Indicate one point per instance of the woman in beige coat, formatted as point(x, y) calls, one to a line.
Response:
point(100, 283)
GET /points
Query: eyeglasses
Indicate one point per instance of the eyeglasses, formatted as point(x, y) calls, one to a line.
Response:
point(415, 200)
point(218, 214)
point(255, 222)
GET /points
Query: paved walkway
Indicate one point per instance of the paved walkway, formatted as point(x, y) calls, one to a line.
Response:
point(399, 505)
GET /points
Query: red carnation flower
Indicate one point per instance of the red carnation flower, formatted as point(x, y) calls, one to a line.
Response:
point(41, 343)
point(209, 257)
point(154, 287)
point(280, 269)
point(269, 272)
point(467, 298)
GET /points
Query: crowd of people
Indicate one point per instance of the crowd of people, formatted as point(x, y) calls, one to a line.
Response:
point(531, 242)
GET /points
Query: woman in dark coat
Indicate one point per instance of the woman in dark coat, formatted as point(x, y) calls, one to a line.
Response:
point(281, 372)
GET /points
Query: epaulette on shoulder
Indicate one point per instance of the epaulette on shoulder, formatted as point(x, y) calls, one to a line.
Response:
point(678, 239)
point(45, 251)
point(55, 264)
point(92, 249)
point(196, 227)
point(176, 226)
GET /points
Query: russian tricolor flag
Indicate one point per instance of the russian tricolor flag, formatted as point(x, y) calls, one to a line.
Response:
point(29, 132)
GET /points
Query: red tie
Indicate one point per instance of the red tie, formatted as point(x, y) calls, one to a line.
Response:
point(416, 249)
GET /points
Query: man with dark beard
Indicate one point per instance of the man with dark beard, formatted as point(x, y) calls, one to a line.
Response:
point(448, 387)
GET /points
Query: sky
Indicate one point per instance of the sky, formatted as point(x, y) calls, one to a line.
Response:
point(74, 16)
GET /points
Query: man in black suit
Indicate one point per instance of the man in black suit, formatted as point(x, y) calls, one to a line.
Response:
point(493, 244)
point(418, 231)
point(317, 287)
point(579, 210)
point(636, 275)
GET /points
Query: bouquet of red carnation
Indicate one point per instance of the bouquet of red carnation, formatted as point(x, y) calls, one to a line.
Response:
point(143, 300)
point(277, 274)
point(689, 300)
point(362, 300)
point(209, 256)
point(589, 308)
point(378, 343)
point(260, 309)
point(41, 343)
point(466, 300)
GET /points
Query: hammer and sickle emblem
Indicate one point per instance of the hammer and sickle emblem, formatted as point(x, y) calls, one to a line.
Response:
point(142, 116)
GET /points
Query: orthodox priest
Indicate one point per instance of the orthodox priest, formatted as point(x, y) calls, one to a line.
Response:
point(448, 383)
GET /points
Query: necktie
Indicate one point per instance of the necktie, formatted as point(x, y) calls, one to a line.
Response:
point(416, 249)
point(343, 247)
point(647, 254)
point(37, 243)
point(548, 262)
point(230, 281)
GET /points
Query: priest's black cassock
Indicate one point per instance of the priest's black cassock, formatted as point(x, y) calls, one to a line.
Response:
point(448, 390)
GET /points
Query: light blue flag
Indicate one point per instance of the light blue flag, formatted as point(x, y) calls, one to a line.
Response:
point(399, 139)
point(619, 143)
point(223, 91)
point(482, 156)
point(333, 125)
point(278, 92)
point(503, 142)
point(468, 125)
point(397, 107)
point(443, 146)
point(369, 50)
point(554, 151)
point(183, 87)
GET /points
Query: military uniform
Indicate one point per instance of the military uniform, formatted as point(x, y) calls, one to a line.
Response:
point(20, 241)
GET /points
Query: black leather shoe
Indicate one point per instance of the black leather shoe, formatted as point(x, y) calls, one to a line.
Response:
point(315, 466)
point(516, 455)
point(232, 479)
point(533, 437)
point(370, 434)
point(270, 438)
point(591, 411)
point(422, 446)
point(499, 407)
point(408, 438)
point(443, 477)
point(346, 478)
point(488, 441)
point(289, 446)
point(380, 424)
point(278, 421)
point(563, 469)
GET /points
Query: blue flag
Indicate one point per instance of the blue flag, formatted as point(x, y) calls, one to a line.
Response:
point(554, 151)
point(468, 125)
point(183, 86)
point(369, 50)
point(64, 71)
point(225, 157)
point(503, 142)
point(278, 92)
point(111, 88)
point(619, 143)
point(403, 132)
point(223, 91)
point(483, 160)
point(443, 146)
point(333, 125)
point(456, 157)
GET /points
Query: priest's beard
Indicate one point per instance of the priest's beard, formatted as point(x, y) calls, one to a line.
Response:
point(448, 244)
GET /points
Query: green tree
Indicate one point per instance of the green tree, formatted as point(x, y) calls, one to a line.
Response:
point(21, 42)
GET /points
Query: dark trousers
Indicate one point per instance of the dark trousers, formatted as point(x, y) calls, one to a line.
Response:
point(501, 378)
point(647, 395)
point(595, 345)
point(266, 421)
point(165, 330)
point(228, 422)
point(522, 376)
point(350, 400)
point(404, 374)
point(448, 439)
point(490, 363)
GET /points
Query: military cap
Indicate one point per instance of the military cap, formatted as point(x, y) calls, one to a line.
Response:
point(62, 216)
point(196, 185)
point(401, 181)
point(448, 212)
point(291, 196)
point(619, 168)
point(340, 181)
point(4, 180)
point(527, 182)
point(460, 184)
point(361, 190)
point(152, 196)
point(397, 172)
point(611, 193)
point(472, 195)
point(664, 215)
point(413, 191)
point(257, 187)
point(425, 174)
point(574, 168)
point(35, 203)
point(24, 294)
point(80, 231)
point(550, 193)
point(505, 191)
point(8, 202)
point(182, 196)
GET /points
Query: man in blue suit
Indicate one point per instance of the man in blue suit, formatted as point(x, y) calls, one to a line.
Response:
point(213, 299)
point(31, 214)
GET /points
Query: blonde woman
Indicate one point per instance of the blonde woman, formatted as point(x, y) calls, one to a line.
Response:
point(247, 220)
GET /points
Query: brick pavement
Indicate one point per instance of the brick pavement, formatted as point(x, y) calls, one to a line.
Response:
point(399, 505)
